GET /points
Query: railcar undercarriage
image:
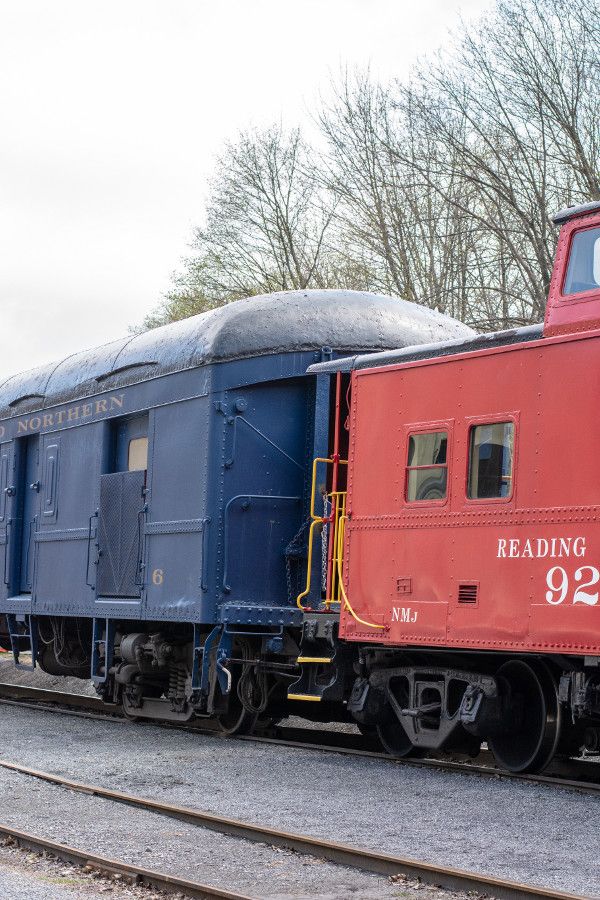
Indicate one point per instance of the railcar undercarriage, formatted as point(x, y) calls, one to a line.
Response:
point(528, 709)
point(63, 645)
point(4, 635)
point(177, 672)
point(159, 674)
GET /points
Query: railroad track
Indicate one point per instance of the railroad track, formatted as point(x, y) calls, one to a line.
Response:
point(329, 851)
point(561, 775)
point(168, 884)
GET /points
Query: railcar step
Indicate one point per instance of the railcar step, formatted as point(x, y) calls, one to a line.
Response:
point(314, 659)
point(310, 697)
point(22, 640)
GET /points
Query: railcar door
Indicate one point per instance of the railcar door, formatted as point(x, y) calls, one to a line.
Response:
point(27, 510)
point(6, 492)
point(121, 513)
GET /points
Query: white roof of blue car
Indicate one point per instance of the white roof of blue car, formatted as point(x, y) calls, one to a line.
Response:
point(284, 322)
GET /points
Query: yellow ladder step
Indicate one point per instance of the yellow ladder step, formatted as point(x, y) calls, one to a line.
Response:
point(314, 659)
point(310, 697)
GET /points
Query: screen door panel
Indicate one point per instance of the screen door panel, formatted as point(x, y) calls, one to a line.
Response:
point(119, 534)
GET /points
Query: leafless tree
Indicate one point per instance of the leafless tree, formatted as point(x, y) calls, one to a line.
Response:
point(413, 242)
point(514, 107)
point(438, 189)
point(266, 225)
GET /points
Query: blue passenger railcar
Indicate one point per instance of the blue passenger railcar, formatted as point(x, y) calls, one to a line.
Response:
point(154, 499)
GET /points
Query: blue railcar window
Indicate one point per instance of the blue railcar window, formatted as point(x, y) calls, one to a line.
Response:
point(583, 272)
point(427, 467)
point(491, 454)
point(137, 455)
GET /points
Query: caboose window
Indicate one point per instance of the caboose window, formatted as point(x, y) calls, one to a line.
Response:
point(491, 461)
point(427, 468)
point(583, 272)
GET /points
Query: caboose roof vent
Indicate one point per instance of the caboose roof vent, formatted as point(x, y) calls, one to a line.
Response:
point(572, 212)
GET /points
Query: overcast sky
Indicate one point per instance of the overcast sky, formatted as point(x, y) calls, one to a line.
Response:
point(111, 112)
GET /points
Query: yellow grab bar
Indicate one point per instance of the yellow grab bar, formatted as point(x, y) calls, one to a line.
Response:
point(340, 551)
point(320, 520)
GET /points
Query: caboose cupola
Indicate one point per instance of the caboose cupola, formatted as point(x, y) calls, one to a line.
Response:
point(574, 296)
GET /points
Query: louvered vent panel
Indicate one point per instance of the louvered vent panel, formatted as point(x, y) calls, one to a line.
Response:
point(467, 593)
point(119, 533)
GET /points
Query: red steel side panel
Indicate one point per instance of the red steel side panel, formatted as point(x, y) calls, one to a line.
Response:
point(404, 562)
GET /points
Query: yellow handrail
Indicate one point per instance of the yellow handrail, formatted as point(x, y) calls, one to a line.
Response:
point(306, 591)
point(340, 553)
point(340, 512)
point(337, 520)
point(322, 520)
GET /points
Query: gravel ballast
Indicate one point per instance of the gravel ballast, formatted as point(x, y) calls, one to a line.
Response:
point(157, 842)
point(533, 833)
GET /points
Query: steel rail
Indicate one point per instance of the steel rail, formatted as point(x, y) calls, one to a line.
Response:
point(445, 765)
point(291, 737)
point(46, 695)
point(331, 851)
point(170, 884)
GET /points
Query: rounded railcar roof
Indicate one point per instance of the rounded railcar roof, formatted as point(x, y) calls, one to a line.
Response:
point(573, 212)
point(257, 326)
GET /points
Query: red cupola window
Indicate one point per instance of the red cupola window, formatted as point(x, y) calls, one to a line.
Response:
point(574, 297)
point(583, 270)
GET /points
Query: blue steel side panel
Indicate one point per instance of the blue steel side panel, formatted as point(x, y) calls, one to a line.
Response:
point(7, 511)
point(263, 463)
point(63, 582)
point(6, 456)
point(229, 470)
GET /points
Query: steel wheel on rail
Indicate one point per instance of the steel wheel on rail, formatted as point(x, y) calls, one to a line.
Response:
point(236, 720)
point(534, 707)
point(396, 741)
point(244, 700)
point(390, 731)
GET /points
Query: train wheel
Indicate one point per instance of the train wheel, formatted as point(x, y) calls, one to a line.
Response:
point(367, 731)
point(531, 745)
point(263, 723)
point(396, 741)
point(237, 719)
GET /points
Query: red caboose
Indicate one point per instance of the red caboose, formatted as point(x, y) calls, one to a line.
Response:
point(472, 530)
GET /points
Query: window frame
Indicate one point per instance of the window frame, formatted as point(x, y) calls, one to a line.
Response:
point(446, 425)
point(496, 419)
point(582, 296)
